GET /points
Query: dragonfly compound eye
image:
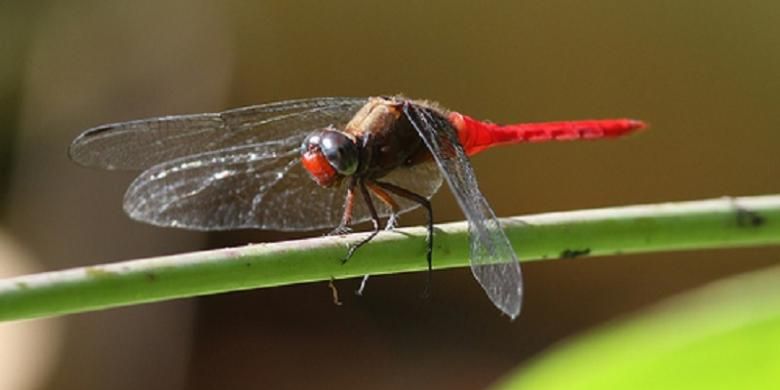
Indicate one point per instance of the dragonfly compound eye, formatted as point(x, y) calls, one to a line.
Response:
point(340, 150)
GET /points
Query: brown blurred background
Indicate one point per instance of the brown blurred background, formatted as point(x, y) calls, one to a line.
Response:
point(704, 74)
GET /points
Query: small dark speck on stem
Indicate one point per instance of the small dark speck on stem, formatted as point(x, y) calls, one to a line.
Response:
point(749, 219)
point(572, 253)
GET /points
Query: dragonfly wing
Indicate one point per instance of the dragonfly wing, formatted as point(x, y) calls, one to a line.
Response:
point(493, 261)
point(144, 143)
point(252, 186)
point(261, 186)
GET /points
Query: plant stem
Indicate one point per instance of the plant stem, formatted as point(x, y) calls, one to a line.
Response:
point(717, 223)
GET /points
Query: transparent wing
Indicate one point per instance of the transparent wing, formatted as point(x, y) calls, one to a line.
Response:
point(422, 179)
point(144, 143)
point(253, 186)
point(493, 260)
point(235, 169)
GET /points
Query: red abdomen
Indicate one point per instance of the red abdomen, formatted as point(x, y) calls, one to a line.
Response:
point(476, 136)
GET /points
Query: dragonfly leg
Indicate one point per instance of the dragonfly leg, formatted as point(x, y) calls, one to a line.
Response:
point(349, 204)
point(426, 204)
point(387, 200)
point(392, 222)
point(374, 220)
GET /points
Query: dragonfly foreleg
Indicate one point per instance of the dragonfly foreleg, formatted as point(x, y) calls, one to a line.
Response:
point(349, 205)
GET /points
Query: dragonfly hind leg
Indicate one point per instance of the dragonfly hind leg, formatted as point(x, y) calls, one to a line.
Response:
point(425, 203)
point(374, 220)
point(392, 220)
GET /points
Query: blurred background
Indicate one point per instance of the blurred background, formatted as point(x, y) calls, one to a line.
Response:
point(704, 74)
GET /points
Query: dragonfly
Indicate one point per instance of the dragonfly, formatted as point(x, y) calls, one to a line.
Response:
point(326, 162)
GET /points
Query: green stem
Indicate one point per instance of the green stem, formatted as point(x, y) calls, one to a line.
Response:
point(725, 222)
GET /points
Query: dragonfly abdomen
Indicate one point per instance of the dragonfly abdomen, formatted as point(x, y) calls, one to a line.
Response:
point(476, 136)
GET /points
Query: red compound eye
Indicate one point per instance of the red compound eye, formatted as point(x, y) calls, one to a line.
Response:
point(319, 168)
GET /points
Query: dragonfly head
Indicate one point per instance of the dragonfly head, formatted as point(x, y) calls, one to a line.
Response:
point(328, 155)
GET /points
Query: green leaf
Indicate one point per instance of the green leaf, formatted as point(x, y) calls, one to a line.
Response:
point(723, 336)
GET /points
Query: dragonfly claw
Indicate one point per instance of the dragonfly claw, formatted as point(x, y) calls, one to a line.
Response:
point(339, 231)
point(350, 252)
point(392, 222)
